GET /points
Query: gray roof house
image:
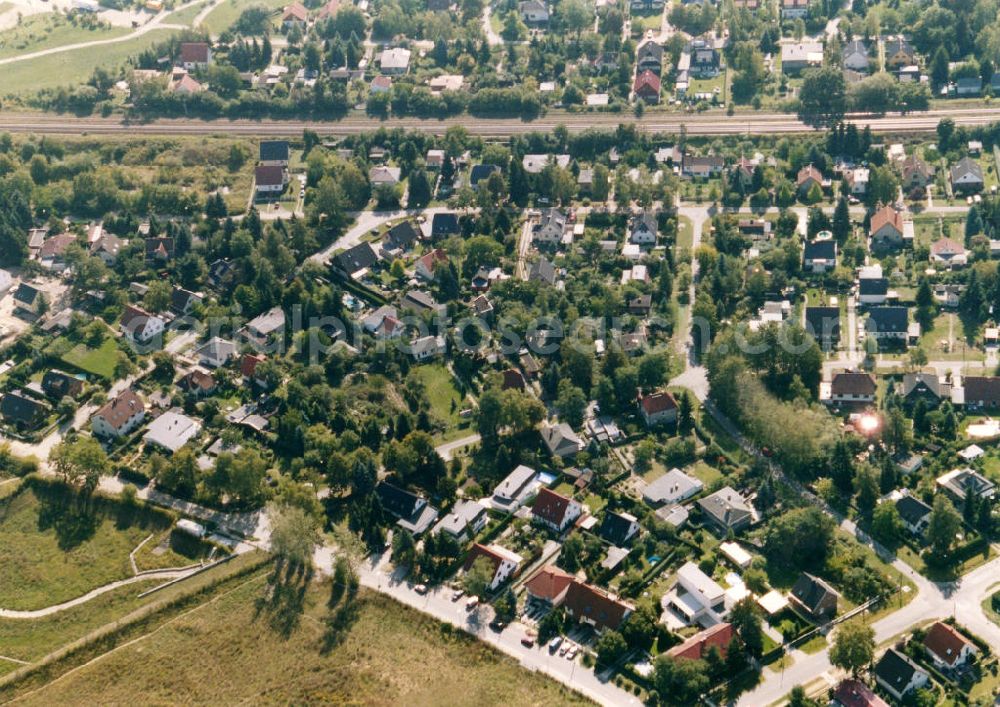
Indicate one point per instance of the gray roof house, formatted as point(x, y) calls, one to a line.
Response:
point(561, 440)
point(727, 510)
point(673, 487)
point(967, 175)
point(171, 431)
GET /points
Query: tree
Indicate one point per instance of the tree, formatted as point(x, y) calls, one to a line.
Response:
point(679, 681)
point(746, 621)
point(841, 220)
point(404, 550)
point(293, 535)
point(505, 607)
point(800, 538)
point(887, 526)
point(477, 579)
point(823, 97)
point(82, 461)
point(571, 404)
point(611, 647)
point(867, 491)
point(853, 647)
point(419, 189)
point(943, 525)
point(939, 69)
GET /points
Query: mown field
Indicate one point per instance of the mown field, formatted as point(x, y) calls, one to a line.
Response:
point(228, 651)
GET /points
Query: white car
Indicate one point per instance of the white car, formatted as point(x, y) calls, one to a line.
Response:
point(472, 603)
point(457, 594)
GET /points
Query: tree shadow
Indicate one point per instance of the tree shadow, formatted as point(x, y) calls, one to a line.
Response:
point(283, 601)
point(74, 523)
point(343, 609)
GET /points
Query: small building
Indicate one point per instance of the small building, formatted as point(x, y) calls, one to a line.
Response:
point(948, 648)
point(967, 176)
point(561, 440)
point(514, 489)
point(216, 352)
point(802, 55)
point(673, 487)
point(355, 262)
point(855, 56)
point(58, 384)
point(195, 55)
point(22, 411)
point(647, 87)
point(294, 15)
point(658, 408)
point(428, 347)
point(119, 416)
point(697, 646)
point(736, 554)
point(412, 512)
point(533, 12)
point(649, 57)
point(814, 597)
point(555, 510)
point(274, 153)
point(269, 179)
point(898, 675)
point(949, 253)
point(591, 605)
point(726, 510)
point(854, 693)
point(139, 326)
point(427, 265)
point(505, 563)
point(643, 228)
point(886, 229)
point(981, 392)
point(695, 595)
point(29, 298)
point(888, 323)
point(958, 483)
point(852, 387)
point(819, 256)
point(266, 328)
point(618, 528)
point(395, 61)
point(171, 431)
point(923, 385)
point(465, 520)
point(549, 586)
point(823, 324)
point(899, 53)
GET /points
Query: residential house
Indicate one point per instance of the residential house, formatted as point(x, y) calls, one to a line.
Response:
point(854, 693)
point(274, 152)
point(248, 369)
point(641, 305)
point(695, 596)
point(401, 237)
point(269, 179)
point(510, 493)
point(697, 646)
point(643, 228)
point(886, 229)
point(855, 56)
point(52, 254)
point(434, 159)
point(549, 586)
point(948, 648)
point(658, 408)
point(958, 483)
point(171, 431)
point(673, 487)
point(428, 264)
point(446, 82)
point(381, 175)
point(542, 271)
point(800, 56)
point(480, 173)
point(534, 164)
point(949, 253)
point(852, 387)
point(268, 328)
point(923, 385)
point(618, 528)
point(428, 347)
point(22, 411)
point(823, 323)
point(592, 605)
point(419, 301)
point(857, 181)
point(968, 86)
point(647, 87)
point(295, 15)
point(649, 57)
point(561, 440)
point(355, 262)
point(445, 224)
point(702, 167)
point(195, 55)
point(915, 514)
point(898, 675)
point(807, 178)
point(794, 9)
point(197, 382)
point(139, 326)
point(216, 352)
point(915, 174)
point(505, 563)
point(183, 301)
point(412, 512)
point(159, 249)
point(29, 298)
point(898, 53)
point(948, 294)
point(6, 281)
point(395, 61)
point(819, 256)
point(551, 227)
point(726, 510)
point(533, 12)
point(981, 392)
point(967, 176)
point(705, 59)
point(888, 323)
point(814, 597)
point(555, 510)
point(119, 416)
point(380, 84)
point(58, 384)
point(873, 291)
point(464, 521)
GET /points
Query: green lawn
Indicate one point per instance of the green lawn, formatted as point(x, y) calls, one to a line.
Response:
point(99, 362)
point(235, 650)
point(48, 30)
point(228, 11)
point(52, 551)
point(651, 21)
point(72, 68)
point(446, 402)
point(185, 16)
point(685, 234)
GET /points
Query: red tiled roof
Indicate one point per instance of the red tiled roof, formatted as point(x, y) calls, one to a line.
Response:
point(551, 506)
point(851, 383)
point(248, 366)
point(116, 412)
point(134, 317)
point(887, 215)
point(854, 693)
point(295, 11)
point(549, 584)
point(647, 82)
point(269, 174)
point(478, 551)
point(433, 259)
point(695, 647)
point(809, 172)
point(585, 601)
point(194, 52)
point(945, 642)
point(658, 402)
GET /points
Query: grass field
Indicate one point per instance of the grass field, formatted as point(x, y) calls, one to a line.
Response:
point(185, 16)
point(74, 67)
point(226, 651)
point(227, 12)
point(98, 362)
point(48, 30)
point(446, 401)
point(51, 551)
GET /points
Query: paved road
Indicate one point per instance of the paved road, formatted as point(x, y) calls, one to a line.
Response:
point(708, 123)
point(448, 449)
